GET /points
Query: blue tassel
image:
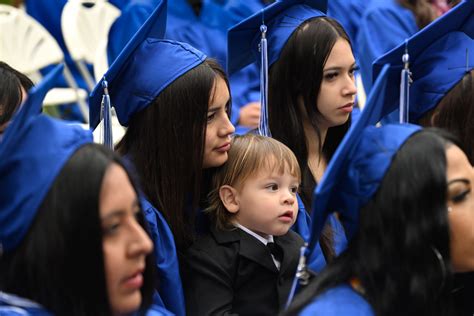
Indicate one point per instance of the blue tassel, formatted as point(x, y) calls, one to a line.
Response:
point(106, 117)
point(263, 128)
point(405, 87)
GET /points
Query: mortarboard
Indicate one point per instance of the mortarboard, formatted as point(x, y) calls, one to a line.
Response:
point(145, 67)
point(281, 18)
point(261, 38)
point(34, 150)
point(358, 165)
point(439, 56)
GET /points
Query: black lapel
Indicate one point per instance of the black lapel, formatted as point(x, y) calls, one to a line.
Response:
point(253, 249)
point(291, 244)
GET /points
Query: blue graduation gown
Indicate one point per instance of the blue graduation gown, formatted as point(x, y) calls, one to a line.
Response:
point(340, 300)
point(12, 305)
point(348, 13)
point(170, 290)
point(302, 226)
point(385, 25)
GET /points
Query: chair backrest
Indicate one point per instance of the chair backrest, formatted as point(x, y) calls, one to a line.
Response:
point(85, 24)
point(24, 43)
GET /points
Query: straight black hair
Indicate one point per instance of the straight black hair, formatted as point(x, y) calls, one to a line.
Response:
point(11, 82)
point(393, 252)
point(165, 141)
point(60, 263)
point(297, 75)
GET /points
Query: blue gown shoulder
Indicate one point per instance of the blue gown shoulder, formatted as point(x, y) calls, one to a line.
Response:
point(340, 300)
point(12, 305)
point(170, 290)
point(385, 25)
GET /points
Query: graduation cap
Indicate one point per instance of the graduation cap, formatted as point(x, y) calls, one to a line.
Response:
point(358, 165)
point(260, 38)
point(145, 67)
point(437, 57)
point(34, 150)
point(281, 19)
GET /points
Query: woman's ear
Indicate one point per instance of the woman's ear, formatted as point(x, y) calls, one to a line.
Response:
point(229, 197)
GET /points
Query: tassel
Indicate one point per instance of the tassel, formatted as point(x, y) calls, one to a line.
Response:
point(106, 118)
point(405, 87)
point(263, 128)
point(301, 276)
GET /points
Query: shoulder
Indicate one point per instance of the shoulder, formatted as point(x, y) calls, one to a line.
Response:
point(340, 300)
point(379, 9)
point(12, 305)
point(217, 241)
point(292, 238)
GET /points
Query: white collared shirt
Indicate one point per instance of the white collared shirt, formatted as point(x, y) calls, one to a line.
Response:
point(263, 240)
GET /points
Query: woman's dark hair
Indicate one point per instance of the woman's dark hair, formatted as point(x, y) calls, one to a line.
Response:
point(166, 142)
point(11, 82)
point(455, 113)
point(422, 10)
point(393, 252)
point(296, 76)
point(60, 263)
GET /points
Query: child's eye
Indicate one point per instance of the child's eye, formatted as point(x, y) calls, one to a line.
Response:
point(460, 197)
point(272, 187)
point(294, 189)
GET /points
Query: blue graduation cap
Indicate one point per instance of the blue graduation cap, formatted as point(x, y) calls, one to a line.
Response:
point(358, 166)
point(281, 19)
point(261, 38)
point(34, 150)
point(145, 67)
point(439, 56)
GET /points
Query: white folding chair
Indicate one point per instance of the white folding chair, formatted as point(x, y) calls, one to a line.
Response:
point(28, 47)
point(85, 25)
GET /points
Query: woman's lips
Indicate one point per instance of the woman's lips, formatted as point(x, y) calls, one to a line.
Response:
point(223, 148)
point(134, 282)
point(347, 108)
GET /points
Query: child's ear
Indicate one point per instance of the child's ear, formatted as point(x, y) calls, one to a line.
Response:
point(229, 198)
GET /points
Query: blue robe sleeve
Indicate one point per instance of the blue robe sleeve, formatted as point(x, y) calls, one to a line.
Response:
point(384, 26)
point(170, 294)
point(341, 300)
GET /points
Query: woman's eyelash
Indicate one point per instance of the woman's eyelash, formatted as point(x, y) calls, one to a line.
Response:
point(461, 196)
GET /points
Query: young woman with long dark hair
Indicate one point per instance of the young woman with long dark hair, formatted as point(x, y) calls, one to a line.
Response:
point(176, 104)
point(72, 235)
point(406, 243)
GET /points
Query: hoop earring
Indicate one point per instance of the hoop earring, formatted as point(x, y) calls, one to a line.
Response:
point(442, 266)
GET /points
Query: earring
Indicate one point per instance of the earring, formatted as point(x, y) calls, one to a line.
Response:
point(441, 264)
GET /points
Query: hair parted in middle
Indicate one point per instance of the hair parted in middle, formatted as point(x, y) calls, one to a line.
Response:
point(249, 156)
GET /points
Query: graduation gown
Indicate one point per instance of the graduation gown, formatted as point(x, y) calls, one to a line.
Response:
point(232, 273)
point(340, 300)
point(384, 26)
point(170, 290)
point(12, 305)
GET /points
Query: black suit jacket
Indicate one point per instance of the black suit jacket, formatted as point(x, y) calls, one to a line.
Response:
point(232, 273)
